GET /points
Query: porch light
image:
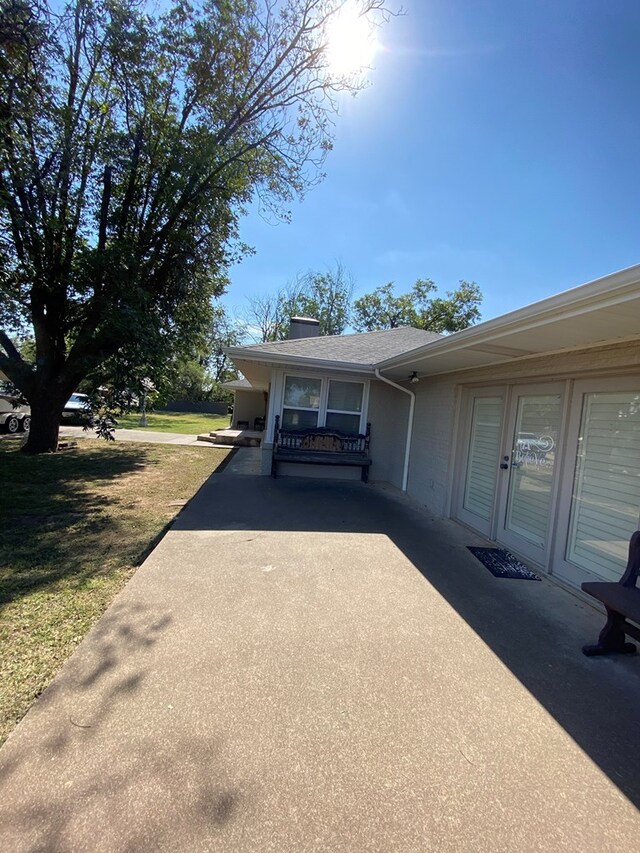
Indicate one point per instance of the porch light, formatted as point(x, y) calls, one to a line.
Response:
point(414, 378)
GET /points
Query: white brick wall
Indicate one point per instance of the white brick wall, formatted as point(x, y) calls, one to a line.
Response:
point(431, 445)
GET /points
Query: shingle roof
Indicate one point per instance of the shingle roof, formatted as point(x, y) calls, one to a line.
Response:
point(238, 385)
point(366, 348)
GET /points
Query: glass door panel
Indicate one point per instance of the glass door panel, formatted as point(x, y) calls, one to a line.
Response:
point(526, 506)
point(484, 448)
point(606, 486)
point(480, 462)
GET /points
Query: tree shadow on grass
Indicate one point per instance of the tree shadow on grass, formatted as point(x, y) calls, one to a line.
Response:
point(56, 523)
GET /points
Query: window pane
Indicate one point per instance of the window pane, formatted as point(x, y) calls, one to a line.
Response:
point(345, 396)
point(345, 423)
point(606, 487)
point(301, 392)
point(299, 419)
point(484, 449)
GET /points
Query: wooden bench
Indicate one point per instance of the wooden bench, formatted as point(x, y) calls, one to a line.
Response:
point(320, 446)
point(622, 601)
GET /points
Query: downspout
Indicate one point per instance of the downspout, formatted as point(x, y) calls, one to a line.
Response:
point(412, 402)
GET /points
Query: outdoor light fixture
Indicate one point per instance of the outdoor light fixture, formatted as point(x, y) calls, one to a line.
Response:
point(414, 378)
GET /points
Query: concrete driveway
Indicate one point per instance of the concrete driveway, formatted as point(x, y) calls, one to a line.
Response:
point(319, 666)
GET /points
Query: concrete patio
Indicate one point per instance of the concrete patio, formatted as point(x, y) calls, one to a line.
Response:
point(319, 666)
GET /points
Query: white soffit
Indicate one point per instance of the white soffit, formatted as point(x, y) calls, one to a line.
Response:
point(257, 373)
point(601, 312)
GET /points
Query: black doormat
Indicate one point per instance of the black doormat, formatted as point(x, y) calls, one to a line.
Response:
point(502, 564)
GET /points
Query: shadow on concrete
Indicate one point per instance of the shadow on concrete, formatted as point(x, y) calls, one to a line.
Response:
point(536, 629)
point(88, 697)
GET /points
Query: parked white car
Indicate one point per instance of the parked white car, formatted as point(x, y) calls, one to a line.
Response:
point(13, 417)
point(77, 410)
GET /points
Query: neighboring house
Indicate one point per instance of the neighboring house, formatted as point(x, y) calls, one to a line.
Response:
point(526, 428)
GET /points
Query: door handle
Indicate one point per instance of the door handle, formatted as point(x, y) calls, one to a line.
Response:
point(504, 466)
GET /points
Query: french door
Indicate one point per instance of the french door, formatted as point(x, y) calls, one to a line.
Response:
point(509, 465)
point(536, 462)
point(600, 498)
point(483, 424)
point(528, 485)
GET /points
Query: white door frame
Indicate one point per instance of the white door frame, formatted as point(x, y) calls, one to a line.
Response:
point(565, 570)
point(468, 397)
point(493, 529)
point(520, 545)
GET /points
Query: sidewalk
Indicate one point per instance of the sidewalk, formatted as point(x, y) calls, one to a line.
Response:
point(320, 666)
point(137, 435)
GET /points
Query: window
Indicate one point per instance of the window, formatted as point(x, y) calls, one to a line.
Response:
point(344, 406)
point(301, 402)
point(311, 402)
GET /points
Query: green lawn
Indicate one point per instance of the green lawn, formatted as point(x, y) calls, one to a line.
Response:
point(185, 423)
point(73, 526)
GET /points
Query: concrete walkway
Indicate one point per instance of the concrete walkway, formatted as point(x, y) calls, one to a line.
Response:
point(137, 435)
point(319, 666)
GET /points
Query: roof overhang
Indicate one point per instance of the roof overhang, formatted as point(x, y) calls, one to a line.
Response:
point(239, 385)
point(257, 367)
point(601, 312)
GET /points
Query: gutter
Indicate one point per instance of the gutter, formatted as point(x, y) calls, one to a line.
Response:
point(412, 403)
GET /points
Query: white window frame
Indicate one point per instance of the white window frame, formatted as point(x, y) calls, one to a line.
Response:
point(301, 375)
point(324, 396)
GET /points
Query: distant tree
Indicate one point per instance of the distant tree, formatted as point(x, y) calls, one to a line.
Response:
point(131, 141)
point(458, 311)
point(223, 332)
point(382, 309)
point(325, 296)
point(187, 379)
point(267, 315)
point(193, 374)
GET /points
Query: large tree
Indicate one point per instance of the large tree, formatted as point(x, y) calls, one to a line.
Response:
point(383, 309)
point(325, 296)
point(130, 144)
point(193, 373)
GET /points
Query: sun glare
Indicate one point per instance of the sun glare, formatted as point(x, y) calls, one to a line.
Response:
point(351, 41)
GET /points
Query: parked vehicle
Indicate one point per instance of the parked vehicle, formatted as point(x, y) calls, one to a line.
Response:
point(77, 410)
point(14, 416)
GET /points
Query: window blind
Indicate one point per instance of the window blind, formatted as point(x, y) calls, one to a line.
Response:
point(484, 448)
point(606, 490)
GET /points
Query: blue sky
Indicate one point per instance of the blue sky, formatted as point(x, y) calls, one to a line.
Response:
point(498, 142)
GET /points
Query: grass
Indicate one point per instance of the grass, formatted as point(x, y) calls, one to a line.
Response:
point(185, 423)
point(73, 526)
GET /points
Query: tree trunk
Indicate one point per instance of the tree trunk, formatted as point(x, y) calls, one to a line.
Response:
point(46, 413)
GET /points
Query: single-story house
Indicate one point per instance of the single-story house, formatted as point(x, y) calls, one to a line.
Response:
point(525, 428)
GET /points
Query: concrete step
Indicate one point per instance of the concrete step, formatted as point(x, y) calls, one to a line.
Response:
point(211, 439)
point(233, 438)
